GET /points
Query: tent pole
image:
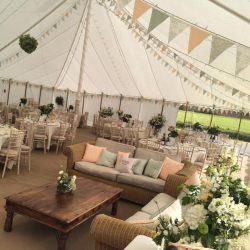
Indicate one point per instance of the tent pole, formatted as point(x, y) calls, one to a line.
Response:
point(40, 94)
point(185, 117)
point(139, 114)
point(67, 98)
point(8, 96)
point(25, 91)
point(162, 107)
point(120, 103)
point(83, 100)
point(212, 116)
point(80, 80)
point(238, 132)
point(101, 101)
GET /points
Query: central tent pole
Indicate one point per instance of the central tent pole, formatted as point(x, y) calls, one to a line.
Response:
point(80, 80)
point(238, 132)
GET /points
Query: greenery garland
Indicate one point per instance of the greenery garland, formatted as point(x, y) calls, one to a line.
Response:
point(28, 43)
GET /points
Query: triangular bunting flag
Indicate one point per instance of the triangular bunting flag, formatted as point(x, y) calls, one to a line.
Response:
point(202, 73)
point(139, 9)
point(156, 19)
point(176, 27)
point(197, 36)
point(242, 59)
point(218, 46)
point(234, 91)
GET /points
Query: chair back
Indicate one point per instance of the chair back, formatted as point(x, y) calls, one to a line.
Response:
point(15, 140)
point(40, 129)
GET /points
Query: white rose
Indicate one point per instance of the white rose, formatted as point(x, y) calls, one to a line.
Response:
point(165, 232)
point(61, 172)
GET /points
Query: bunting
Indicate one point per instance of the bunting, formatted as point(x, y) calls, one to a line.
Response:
point(156, 19)
point(235, 91)
point(218, 46)
point(176, 27)
point(242, 59)
point(120, 4)
point(139, 9)
point(197, 36)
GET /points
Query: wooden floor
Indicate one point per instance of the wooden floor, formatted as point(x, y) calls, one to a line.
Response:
point(29, 235)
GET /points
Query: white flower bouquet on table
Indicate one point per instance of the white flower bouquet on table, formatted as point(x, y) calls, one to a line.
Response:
point(215, 213)
point(65, 183)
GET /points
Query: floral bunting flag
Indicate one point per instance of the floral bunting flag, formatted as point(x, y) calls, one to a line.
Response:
point(242, 59)
point(197, 36)
point(156, 19)
point(176, 27)
point(218, 46)
point(139, 9)
point(235, 91)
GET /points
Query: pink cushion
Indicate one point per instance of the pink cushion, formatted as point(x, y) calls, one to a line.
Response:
point(125, 165)
point(120, 156)
point(170, 167)
point(92, 153)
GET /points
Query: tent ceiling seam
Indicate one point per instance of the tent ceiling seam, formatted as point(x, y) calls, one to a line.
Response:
point(122, 54)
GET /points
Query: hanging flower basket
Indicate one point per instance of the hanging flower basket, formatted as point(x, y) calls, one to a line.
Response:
point(28, 43)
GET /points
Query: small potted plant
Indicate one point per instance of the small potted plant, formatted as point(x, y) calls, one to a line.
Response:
point(65, 183)
point(23, 101)
point(157, 122)
point(213, 132)
point(125, 118)
point(197, 127)
point(71, 107)
point(45, 110)
point(28, 43)
point(106, 112)
point(59, 101)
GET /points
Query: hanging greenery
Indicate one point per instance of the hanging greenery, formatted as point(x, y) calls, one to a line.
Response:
point(28, 43)
point(106, 112)
point(23, 101)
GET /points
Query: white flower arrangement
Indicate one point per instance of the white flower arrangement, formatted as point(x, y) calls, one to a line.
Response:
point(65, 183)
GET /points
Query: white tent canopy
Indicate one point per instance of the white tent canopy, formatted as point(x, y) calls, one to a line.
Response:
point(115, 62)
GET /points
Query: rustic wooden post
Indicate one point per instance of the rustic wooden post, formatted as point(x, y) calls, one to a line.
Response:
point(83, 100)
point(120, 103)
point(40, 94)
point(25, 91)
point(185, 116)
point(101, 101)
point(8, 96)
point(238, 132)
point(212, 116)
point(67, 98)
point(162, 107)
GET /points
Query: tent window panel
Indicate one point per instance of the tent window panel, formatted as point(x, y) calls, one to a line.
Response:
point(92, 105)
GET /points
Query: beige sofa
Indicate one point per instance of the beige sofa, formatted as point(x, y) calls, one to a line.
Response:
point(137, 188)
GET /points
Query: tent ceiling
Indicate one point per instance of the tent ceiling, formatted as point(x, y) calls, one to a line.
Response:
point(115, 62)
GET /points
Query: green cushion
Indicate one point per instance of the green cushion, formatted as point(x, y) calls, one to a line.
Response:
point(153, 168)
point(139, 166)
point(107, 159)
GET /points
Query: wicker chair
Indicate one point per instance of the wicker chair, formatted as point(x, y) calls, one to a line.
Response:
point(116, 133)
point(26, 147)
point(12, 152)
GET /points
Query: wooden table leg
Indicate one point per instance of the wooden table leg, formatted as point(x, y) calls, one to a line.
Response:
point(114, 208)
point(9, 218)
point(61, 240)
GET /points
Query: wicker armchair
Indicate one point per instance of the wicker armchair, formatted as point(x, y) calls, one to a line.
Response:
point(114, 234)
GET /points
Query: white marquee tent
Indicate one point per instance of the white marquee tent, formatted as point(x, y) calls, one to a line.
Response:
point(104, 49)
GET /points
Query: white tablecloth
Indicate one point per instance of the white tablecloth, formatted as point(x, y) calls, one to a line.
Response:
point(4, 135)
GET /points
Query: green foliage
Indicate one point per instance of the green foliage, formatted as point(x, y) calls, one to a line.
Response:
point(106, 112)
point(197, 127)
point(23, 101)
point(173, 133)
point(125, 117)
point(65, 183)
point(59, 100)
point(28, 43)
point(71, 107)
point(213, 131)
point(157, 121)
point(46, 109)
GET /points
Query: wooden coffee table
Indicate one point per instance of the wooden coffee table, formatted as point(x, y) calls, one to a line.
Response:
point(63, 212)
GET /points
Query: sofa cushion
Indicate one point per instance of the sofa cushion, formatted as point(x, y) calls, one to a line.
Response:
point(138, 216)
point(143, 153)
point(155, 185)
point(174, 211)
point(96, 170)
point(153, 168)
point(140, 166)
point(126, 165)
point(170, 167)
point(114, 147)
point(107, 159)
point(92, 153)
point(159, 202)
point(120, 156)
